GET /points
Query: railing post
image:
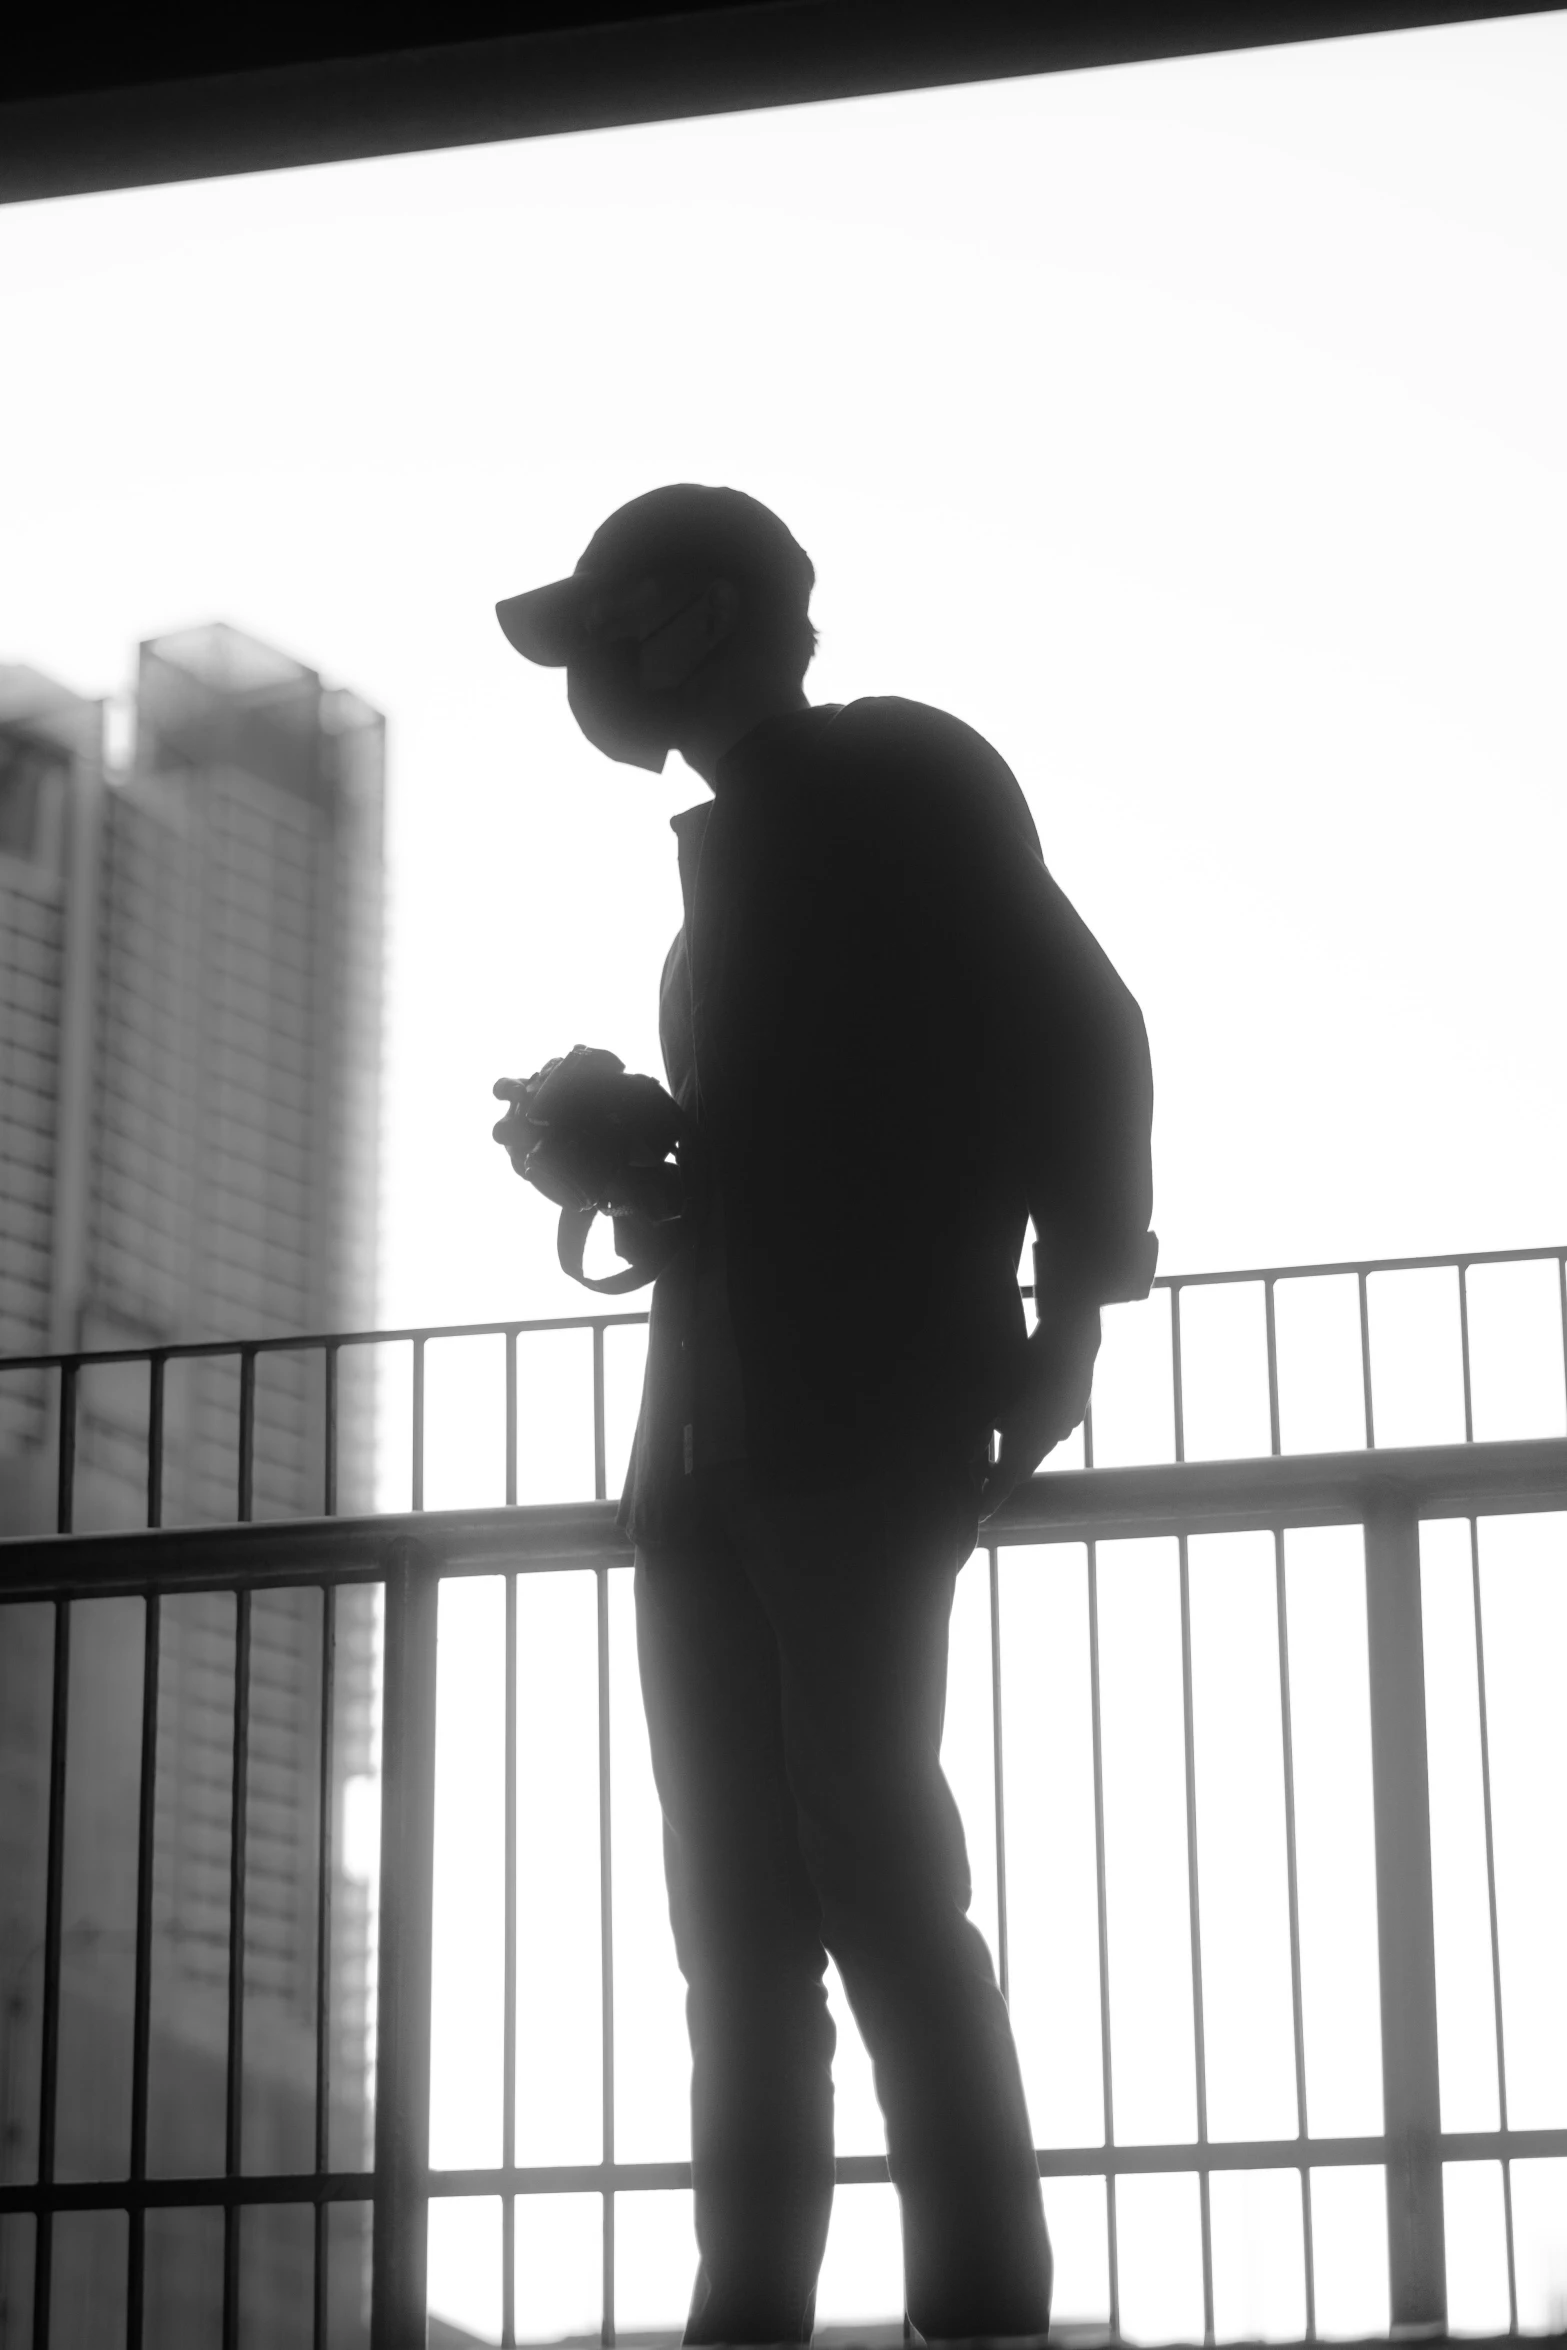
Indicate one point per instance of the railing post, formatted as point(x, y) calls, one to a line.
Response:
point(402, 2069)
point(1417, 2261)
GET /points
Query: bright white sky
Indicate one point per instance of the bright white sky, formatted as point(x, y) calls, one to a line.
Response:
point(1192, 429)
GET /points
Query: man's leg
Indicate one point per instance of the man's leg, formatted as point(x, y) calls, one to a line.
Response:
point(748, 1937)
point(859, 1591)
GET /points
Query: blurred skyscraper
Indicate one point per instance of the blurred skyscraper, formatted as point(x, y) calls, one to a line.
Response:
point(190, 1047)
point(190, 995)
point(51, 784)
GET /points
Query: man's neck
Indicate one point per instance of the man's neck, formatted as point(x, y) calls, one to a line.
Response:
point(711, 734)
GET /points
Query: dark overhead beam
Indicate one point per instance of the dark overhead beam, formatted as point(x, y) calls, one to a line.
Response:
point(76, 115)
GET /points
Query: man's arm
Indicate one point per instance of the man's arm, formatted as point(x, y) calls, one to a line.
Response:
point(1069, 1071)
point(650, 1243)
point(1018, 998)
point(1063, 1038)
point(1085, 1116)
point(1062, 1351)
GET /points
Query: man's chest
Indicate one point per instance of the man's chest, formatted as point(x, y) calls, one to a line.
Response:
point(809, 937)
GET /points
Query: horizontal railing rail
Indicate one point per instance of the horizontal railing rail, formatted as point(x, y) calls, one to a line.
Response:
point(69, 1367)
point(1387, 1491)
point(173, 1350)
point(1070, 1505)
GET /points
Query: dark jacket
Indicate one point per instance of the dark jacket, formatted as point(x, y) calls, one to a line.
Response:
point(899, 1042)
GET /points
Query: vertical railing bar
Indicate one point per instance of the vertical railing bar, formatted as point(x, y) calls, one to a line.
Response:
point(509, 2006)
point(600, 1466)
point(1490, 1891)
point(511, 1419)
point(1271, 1319)
point(320, 2295)
point(1104, 1936)
point(606, 1960)
point(1406, 1930)
point(1177, 1377)
point(1507, 2226)
point(607, 2279)
point(247, 1433)
point(1088, 1435)
point(234, 2080)
point(400, 2245)
point(324, 1818)
point(157, 1366)
point(1003, 1954)
point(329, 1369)
point(1291, 1869)
point(1194, 1916)
point(417, 1499)
point(65, 1488)
point(1561, 1296)
point(1463, 1348)
point(1365, 1361)
point(146, 1812)
point(49, 2022)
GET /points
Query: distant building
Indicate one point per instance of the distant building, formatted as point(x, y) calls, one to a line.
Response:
point(190, 1025)
point(190, 1045)
point(51, 787)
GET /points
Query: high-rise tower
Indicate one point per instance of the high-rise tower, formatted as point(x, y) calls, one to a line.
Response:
point(190, 1028)
point(190, 1036)
point(51, 787)
point(237, 1070)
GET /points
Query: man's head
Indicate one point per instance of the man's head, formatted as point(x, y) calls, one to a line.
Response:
point(683, 597)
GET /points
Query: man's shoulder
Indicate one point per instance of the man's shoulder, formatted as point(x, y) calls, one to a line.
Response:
point(921, 752)
point(894, 723)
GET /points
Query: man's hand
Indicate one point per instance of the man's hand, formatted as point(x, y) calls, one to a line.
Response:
point(602, 1163)
point(1054, 1397)
point(513, 1132)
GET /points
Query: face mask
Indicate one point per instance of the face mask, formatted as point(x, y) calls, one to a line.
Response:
point(616, 712)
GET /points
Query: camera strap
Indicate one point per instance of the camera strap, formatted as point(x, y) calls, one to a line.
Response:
point(571, 1239)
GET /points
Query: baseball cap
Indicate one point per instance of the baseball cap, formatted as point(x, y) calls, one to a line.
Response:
point(684, 526)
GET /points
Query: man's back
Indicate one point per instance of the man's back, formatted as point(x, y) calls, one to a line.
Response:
point(868, 1011)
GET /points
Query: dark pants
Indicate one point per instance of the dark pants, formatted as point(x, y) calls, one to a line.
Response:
point(794, 1664)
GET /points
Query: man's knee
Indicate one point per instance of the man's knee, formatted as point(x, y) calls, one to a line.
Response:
point(887, 1857)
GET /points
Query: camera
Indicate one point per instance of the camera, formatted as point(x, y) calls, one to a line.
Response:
point(592, 1137)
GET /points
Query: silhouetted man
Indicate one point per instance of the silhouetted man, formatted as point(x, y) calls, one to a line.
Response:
point(895, 1042)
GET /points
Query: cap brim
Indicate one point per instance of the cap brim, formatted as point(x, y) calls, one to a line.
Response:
point(547, 624)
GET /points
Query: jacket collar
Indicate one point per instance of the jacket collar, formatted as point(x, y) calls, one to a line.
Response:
point(753, 757)
point(750, 761)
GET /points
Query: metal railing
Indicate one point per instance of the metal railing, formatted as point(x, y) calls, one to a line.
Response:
point(1387, 1492)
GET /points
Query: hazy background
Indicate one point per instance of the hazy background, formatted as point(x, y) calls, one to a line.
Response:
point(1192, 429)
